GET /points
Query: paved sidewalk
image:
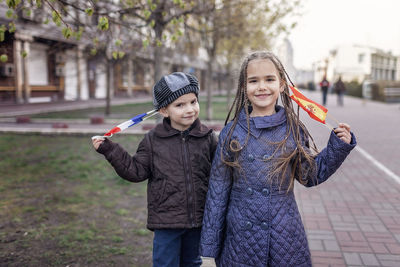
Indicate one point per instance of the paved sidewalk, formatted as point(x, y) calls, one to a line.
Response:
point(353, 219)
point(12, 110)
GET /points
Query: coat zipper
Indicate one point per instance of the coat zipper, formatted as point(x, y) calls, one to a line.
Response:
point(189, 187)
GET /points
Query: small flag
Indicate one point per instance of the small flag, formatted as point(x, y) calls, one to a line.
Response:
point(128, 123)
point(315, 110)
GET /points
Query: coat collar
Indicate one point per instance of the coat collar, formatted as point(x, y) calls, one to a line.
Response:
point(197, 129)
point(257, 124)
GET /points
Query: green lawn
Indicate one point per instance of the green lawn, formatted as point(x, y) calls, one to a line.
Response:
point(122, 112)
point(61, 204)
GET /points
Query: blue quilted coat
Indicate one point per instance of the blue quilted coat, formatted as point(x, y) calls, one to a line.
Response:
point(251, 220)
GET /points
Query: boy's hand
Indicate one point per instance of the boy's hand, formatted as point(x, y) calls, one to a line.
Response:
point(96, 141)
point(343, 132)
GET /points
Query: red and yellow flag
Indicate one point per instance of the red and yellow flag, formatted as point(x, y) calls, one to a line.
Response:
point(315, 110)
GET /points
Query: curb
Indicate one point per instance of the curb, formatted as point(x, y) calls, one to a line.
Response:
point(61, 131)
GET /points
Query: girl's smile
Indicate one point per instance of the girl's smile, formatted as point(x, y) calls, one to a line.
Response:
point(262, 96)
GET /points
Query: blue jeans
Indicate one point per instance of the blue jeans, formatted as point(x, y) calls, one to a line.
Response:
point(176, 247)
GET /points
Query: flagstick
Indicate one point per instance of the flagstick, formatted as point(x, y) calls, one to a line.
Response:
point(330, 127)
point(333, 118)
point(125, 125)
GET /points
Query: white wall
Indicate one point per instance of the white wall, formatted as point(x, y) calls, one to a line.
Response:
point(84, 79)
point(398, 69)
point(348, 63)
point(37, 64)
point(71, 77)
point(101, 81)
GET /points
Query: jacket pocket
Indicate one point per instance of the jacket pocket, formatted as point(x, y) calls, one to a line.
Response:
point(157, 192)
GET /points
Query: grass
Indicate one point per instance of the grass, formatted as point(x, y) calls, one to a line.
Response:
point(62, 204)
point(219, 106)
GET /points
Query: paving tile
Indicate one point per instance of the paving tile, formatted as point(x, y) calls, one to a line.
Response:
point(378, 247)
point(369, 259)
point(357, 236)
point(315, 245)
point(352, 258)
point(331, 245)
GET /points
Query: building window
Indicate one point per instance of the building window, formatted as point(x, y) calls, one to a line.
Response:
point(361, 58)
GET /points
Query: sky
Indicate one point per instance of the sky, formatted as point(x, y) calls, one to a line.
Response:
point(326, 24)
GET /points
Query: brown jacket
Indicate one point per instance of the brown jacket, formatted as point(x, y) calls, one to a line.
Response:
point(177, 166)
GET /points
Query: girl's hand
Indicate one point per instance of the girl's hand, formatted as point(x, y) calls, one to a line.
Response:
point(343, 132)
point(97, 142)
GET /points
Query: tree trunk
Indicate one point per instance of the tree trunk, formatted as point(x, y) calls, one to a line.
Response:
point(109, 84)
point(158, 59)
point(78, 72)
point(27, 86)
point(130, 76)
point(18, 73)
point(229, 86)
point(212, 49)
point(209, 88)
point(158, 54)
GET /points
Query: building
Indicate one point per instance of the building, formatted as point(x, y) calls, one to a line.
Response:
point(285, 54)
point(301, 78)
point(360, 63)
point(44, 66)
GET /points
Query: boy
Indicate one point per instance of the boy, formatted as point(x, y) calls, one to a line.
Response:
point(175, 157)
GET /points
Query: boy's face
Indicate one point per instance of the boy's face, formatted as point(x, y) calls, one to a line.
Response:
point(182, 112)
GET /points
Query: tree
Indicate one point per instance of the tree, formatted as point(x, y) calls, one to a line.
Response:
point(226, 28)
point(232, 27)
point(161, 16)
point(155, 22)
point(111, 28)
point(95, 24)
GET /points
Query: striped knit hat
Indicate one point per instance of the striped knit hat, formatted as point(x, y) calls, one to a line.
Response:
point(172, 86)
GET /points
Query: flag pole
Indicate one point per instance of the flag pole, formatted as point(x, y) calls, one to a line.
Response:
point(330, 127)
point(333, 118)
point(125, 125)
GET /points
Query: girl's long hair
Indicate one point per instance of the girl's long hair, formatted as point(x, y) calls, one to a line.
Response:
point(282, 163)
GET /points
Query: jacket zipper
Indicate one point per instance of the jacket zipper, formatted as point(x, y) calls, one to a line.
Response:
point(189, 186)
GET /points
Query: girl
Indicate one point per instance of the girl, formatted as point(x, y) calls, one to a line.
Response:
point(251, 216)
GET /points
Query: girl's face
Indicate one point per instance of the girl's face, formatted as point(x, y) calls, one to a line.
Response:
point(263, 86)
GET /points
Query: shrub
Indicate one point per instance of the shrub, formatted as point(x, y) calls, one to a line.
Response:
point(354, 88)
